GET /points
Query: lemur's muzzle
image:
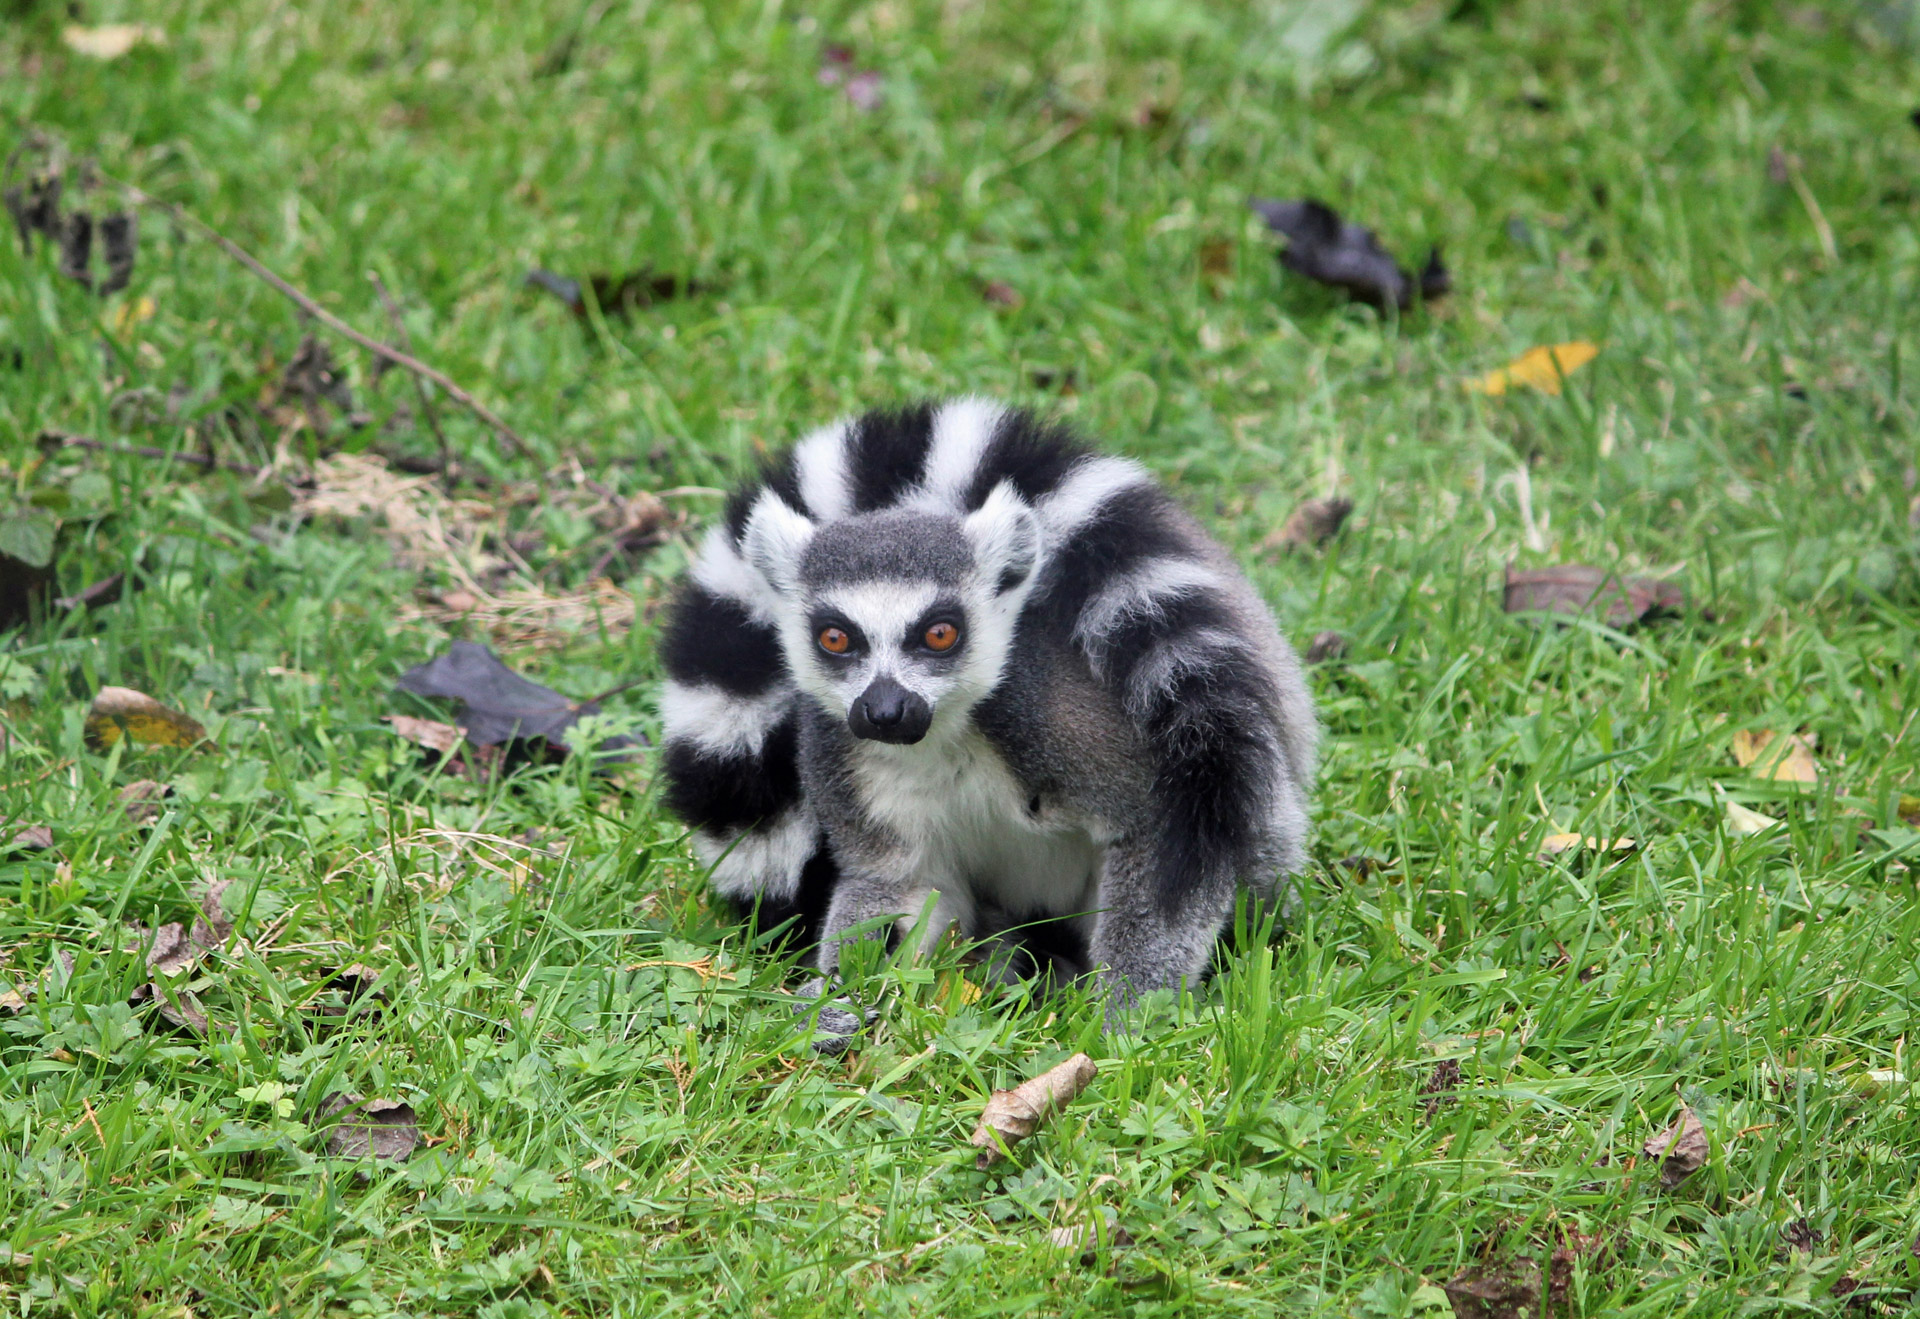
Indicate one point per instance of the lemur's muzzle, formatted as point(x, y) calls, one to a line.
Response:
point(888, 712)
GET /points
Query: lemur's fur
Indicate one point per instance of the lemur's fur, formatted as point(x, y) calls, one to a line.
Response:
point(1119, 734)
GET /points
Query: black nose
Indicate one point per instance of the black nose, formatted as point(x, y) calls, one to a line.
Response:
point(888, 712)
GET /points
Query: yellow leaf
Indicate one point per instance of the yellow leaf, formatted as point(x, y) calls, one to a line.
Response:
point(110, 41)
point(1788, 759)
point(1542, 367)
point(122, 710)
point(1745, 822)
point(1555, 844)
point(129, 314)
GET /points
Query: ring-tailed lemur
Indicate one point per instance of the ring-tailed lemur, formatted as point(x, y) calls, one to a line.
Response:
point(950, 650)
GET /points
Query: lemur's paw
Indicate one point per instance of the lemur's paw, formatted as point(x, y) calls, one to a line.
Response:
point(838, 1024)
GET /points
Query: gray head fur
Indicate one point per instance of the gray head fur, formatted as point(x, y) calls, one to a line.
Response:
point(883, 580)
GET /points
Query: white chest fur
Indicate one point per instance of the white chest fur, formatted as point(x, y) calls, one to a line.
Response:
point(966, 824)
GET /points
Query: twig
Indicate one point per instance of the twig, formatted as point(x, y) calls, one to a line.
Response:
point(66, 441)
point(327, 318)
point(447, 468)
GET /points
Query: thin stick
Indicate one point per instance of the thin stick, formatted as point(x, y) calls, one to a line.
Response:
point(327, 318)
point(420, 386)
point(144, 451)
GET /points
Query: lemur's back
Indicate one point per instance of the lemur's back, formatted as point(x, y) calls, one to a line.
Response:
point(1143, 681)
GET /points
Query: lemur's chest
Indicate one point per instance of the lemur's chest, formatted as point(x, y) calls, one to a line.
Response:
point(966, 818)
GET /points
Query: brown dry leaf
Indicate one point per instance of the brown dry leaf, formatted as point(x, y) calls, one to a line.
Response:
point(122, 710)
point(1556, 844)
point(1541, 368)
point(1682, 1148)
point(1013, 1115)
point(429, 733)
point(32, 838)
point(1084, 1238)
point(1575, 588)
point(1787, 759)
point(110, 41)
point(1314, 522)
point(1440, 1085)
point(382, 1128)
point(1496, 1289)
point(424, 527)
point(142, 799)
point(1001, 294)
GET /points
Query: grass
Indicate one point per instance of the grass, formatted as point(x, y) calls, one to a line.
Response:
point(620, 1118)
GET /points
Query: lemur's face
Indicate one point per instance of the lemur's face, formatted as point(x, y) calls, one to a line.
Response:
point(899, 620)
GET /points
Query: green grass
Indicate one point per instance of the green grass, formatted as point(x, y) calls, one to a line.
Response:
point(622, 1119)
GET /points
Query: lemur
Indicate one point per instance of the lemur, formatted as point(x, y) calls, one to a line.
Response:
point(950, 650)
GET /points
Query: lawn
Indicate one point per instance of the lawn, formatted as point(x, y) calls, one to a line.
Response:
point(1443, 1071)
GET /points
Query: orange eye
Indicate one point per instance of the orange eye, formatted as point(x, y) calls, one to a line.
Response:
point(941, 636)
point(834, 641)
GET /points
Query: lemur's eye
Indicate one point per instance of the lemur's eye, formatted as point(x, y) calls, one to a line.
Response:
point(941, 636)
point(834, 641)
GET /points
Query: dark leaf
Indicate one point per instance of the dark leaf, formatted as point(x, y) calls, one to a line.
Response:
point(497, 704)
point(382, 1128)
point(1501, 1289)
point(175, 1006)
point(76, 247)
point(1440, 1085)
point(1333, 251)
point(1573, 588)
point(119, 712)
point(117, 244)
point(1682, 1148)
point(101, 593)
point(1914, 119)
point(1314, 522)
point(616, 295)
point(1325, 646)
point(36, 209)
point(1800, 1235)
point(312, 377)
point(142, 799)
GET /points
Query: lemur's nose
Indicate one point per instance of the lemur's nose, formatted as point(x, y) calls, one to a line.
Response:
point(888, 712)
point(885, 710)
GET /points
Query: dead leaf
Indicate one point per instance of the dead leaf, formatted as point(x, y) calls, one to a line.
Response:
point(102, 593)
point(1314, 522)
point(382, 1128)
point(1013, 1115)
point(122, 710)
point(1440, 1085)
point(1786, 759)
point(1745, 822)
point(1800, 1235)
point(617, 295)
point(1556, 844)
point(119, 239)
point(141, 799)
point(1001, 294)
point(1682, 1149)
point(109, 41)
point(174, 1005)
point(1499, 1289)
point(1325, 646)
point(1084, 1239)
point(353, 984)
point(497, 704)
point(32, 838)
point(439, 738)
point(1541, 368)
point(1576, 588)
point(1333, 251)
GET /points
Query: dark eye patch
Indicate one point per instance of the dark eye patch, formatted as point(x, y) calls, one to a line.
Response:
point(856, 639)
point(941, 611)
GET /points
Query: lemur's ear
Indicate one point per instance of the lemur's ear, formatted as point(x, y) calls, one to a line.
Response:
point(1006, 538)
point(775, 539)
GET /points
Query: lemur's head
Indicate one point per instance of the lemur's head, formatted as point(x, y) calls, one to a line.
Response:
point(901, 619)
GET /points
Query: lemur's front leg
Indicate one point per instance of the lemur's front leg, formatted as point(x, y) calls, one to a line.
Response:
point(1147, 936)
